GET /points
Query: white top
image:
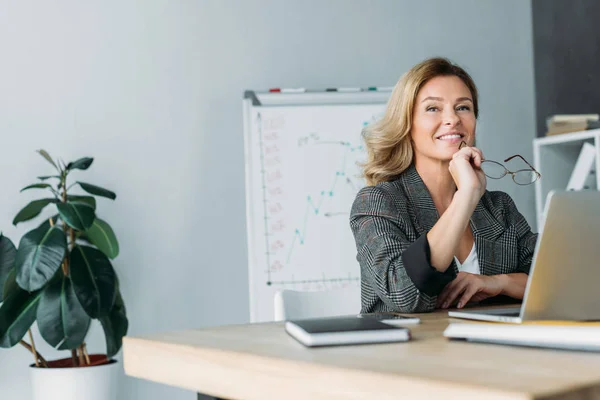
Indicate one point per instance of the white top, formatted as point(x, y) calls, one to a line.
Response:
point(471, 263)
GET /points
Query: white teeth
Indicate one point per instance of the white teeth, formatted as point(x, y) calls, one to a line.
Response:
point(448, 137)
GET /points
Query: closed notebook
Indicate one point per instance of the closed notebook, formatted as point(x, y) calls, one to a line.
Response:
point(549, 334)
point(346, 330)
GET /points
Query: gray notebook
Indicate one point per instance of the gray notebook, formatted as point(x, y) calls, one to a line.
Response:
point(344, 330)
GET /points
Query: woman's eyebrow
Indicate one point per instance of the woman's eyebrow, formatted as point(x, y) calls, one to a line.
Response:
point(441, 99)
point(432, 98)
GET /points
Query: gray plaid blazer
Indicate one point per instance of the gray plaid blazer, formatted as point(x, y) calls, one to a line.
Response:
point(390, 222)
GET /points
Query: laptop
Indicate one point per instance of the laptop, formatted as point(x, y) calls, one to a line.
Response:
point(565, 270)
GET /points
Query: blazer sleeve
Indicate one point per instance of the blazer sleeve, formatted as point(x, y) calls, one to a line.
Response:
point(526, 238)
point(398, 270)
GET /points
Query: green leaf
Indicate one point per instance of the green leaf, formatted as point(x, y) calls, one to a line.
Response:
point(37, 186)
point(43, 178)
point(10, 285)
point(94, 280)
point(45, 154)
point(32, 210)
point(87, 200)
point(46, 223)
point(82, 163)
point(83, 238)
point(62, 321)
point(97, 190)
point(102, 236)
point(115, 327)
point(7, 260)
point(40, 253)
point(77, 215)
point(17, 314)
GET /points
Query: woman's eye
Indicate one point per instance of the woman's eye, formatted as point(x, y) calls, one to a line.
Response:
point(432, 108)
point(463, 108)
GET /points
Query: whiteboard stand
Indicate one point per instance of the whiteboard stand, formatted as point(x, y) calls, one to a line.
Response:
point(301, 153)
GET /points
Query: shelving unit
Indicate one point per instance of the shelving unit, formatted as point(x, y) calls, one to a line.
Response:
point(554, 157)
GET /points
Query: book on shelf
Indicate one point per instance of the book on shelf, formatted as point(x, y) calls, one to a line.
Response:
point(584, 169)
point(573, 117)
point(565, 335)
point(566, 123)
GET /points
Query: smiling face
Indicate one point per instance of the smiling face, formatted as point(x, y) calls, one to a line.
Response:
point(443, 116)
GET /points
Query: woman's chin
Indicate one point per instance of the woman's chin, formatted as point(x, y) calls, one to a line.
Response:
point(446, 154)
point(435, 157)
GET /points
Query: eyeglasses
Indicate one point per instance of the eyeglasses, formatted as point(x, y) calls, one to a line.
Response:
point(495, 170)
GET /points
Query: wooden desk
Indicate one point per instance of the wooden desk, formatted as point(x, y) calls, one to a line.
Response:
point(260, 361)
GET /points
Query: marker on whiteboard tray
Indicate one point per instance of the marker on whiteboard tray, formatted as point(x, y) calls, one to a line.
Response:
point(381, 88)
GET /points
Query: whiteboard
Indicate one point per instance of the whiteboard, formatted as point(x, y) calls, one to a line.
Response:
point(301, 155)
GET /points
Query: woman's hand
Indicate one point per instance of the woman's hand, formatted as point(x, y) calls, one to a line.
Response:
point(465, 168)
point(469, 287)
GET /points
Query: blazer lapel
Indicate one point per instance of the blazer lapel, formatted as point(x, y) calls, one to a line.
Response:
point(425, 213)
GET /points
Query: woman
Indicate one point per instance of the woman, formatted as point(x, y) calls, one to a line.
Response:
point(428, 233)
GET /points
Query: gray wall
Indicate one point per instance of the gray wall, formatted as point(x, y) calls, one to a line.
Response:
point(152, 89)
point(566, 37)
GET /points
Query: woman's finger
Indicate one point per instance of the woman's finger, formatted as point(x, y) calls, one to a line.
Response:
point(467, 295)
point(454, 293)
point(478, 297)
point(449, 287)
point(479, 158)
point(467, 153)
point(470, 153)
point(478, 150)
point(443, 294)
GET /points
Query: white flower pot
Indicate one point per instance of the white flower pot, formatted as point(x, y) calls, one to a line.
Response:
point(89, 383)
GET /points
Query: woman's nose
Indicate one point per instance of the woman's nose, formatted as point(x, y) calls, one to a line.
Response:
point(451, 119)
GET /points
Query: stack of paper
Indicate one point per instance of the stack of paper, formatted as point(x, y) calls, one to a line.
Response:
point(549, 334)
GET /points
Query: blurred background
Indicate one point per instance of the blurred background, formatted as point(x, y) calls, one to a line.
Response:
point(152, 89)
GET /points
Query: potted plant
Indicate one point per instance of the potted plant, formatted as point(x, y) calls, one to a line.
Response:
point(61, 276)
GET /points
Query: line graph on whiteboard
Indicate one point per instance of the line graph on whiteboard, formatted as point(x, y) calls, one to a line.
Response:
point(306, 177)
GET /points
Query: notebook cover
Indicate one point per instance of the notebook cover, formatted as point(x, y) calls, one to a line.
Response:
point(352, 324)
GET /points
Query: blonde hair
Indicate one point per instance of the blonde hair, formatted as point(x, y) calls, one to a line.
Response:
point(388, 140)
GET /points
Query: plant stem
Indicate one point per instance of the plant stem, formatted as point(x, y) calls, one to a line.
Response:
point(79, 355)
point(64, 185)
point(72, 237)
point(74, 357)
point(85, 353)
point(65, 265)
point(35, 353)
point(80, 352)
point(37, 362)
